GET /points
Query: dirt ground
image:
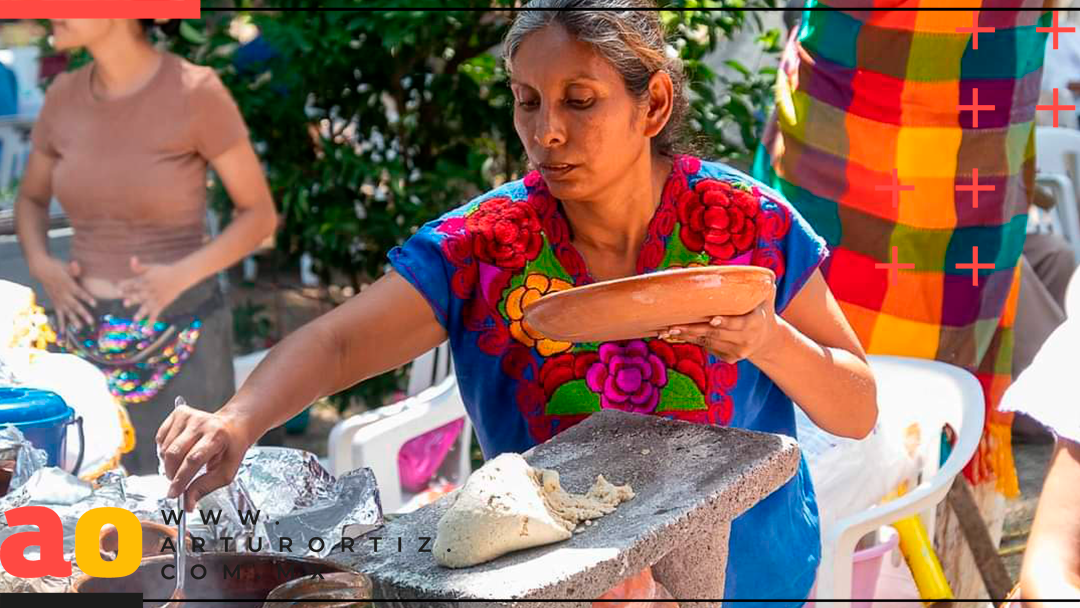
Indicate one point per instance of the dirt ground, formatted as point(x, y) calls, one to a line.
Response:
point(289, 305)
point(1031, 463)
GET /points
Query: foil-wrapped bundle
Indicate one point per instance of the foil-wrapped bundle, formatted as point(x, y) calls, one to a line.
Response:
point(278, 494)
point(299, 501)
point(28, 459)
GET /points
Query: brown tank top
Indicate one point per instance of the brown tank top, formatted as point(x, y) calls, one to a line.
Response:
point(131, 173)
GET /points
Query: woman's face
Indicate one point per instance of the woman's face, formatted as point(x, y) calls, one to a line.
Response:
point(580, 126)
point(76, 33)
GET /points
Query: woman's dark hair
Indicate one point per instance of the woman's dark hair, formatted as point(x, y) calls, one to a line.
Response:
point(169, 28)
point(629, 34)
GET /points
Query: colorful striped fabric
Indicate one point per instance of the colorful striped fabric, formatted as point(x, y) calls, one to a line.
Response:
point(870, 99)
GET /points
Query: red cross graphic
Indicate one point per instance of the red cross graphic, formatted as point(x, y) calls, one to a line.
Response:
point(894, 266)
point(1055, 29)
point(975, 108)
point(975, 187)
point(975, 30)
point(1055, 108)
point(975, 266)
point(895, 187)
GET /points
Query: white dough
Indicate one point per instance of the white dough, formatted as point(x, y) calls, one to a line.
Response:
point(506, 505)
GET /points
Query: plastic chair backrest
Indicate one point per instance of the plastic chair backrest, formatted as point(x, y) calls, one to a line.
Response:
point(430, 369)
point(1066, 118)
point(1052, 145)
point(910, 390)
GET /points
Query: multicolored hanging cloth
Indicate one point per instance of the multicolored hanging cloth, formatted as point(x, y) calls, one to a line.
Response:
point(887, 121)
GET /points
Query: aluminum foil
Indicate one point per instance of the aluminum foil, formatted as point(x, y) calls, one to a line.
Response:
point(282, 480)
point(293, 495)
point(300, 501)
point(28, 459)
point(355, 510)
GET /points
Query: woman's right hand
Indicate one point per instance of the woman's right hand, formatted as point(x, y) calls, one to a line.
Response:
point(191, 438)
point(61, 282)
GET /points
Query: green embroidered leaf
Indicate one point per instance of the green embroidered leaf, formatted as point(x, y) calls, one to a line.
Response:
point(678, 255)
point(546, 264)
point(573, 398)
point(680, 394)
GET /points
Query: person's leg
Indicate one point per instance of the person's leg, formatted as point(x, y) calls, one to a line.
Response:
point(1037, 316)
point(1053, 261)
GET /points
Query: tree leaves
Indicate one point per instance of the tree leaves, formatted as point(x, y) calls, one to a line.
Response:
point(371, 122)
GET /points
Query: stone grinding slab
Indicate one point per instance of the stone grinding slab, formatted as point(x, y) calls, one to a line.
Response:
point(689, 481)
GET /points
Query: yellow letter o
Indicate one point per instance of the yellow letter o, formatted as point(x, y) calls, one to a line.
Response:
point(88, 538)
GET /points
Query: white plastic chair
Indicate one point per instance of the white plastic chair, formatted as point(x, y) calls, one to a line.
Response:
point(1054, 168)
point(1064, 218)
point(373, 439)
point(430, 369)
point(943, 394)
point(1066, 119)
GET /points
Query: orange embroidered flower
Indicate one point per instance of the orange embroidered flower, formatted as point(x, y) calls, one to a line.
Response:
point(536, 286)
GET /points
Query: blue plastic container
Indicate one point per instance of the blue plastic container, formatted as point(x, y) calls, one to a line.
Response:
point(43, 417)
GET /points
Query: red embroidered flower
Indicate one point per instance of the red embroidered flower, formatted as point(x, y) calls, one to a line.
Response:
point(665, 220)
point(505, 233)
point(652, 253)
point(686, 359)
point(774, 221)
point(567, 367)
point(718, 218)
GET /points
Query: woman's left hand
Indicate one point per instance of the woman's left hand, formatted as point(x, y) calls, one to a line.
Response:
point(734, 338)
point(154, 287)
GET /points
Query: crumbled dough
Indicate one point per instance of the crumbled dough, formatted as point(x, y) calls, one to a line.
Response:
point(507, 505)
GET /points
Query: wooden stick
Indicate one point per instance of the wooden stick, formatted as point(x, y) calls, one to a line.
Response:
point(991, 567)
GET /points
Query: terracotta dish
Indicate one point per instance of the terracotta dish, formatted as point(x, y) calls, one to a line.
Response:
point(643, 306)
point(334, 590)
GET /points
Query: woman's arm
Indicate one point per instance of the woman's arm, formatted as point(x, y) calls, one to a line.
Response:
point(810, 352)
point(254, 218)
point(817, 360)
point(1051, 567)
point(155, 287)
point(68, 298)
point(384, 327)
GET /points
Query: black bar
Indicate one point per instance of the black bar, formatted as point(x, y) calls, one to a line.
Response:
point(37, 600)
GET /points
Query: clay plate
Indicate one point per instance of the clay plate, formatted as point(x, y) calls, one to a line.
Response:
point(643, 306)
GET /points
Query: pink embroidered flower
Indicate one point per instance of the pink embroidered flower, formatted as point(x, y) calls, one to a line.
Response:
point(627, 377)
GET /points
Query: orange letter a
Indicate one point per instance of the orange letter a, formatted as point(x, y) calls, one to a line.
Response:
point(49, 538)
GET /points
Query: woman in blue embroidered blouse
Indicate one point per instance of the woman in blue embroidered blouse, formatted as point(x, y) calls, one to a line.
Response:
point(598, 108)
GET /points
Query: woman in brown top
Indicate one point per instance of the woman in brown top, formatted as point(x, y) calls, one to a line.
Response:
point(124, 144)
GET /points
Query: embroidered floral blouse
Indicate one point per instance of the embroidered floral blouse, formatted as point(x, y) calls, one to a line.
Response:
point(479, 265)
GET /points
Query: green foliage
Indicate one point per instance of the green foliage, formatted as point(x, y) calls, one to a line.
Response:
point(370, 123)
point(252, 326)
point(721, 103)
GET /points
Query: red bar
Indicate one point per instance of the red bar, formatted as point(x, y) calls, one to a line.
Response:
point(115, 9)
